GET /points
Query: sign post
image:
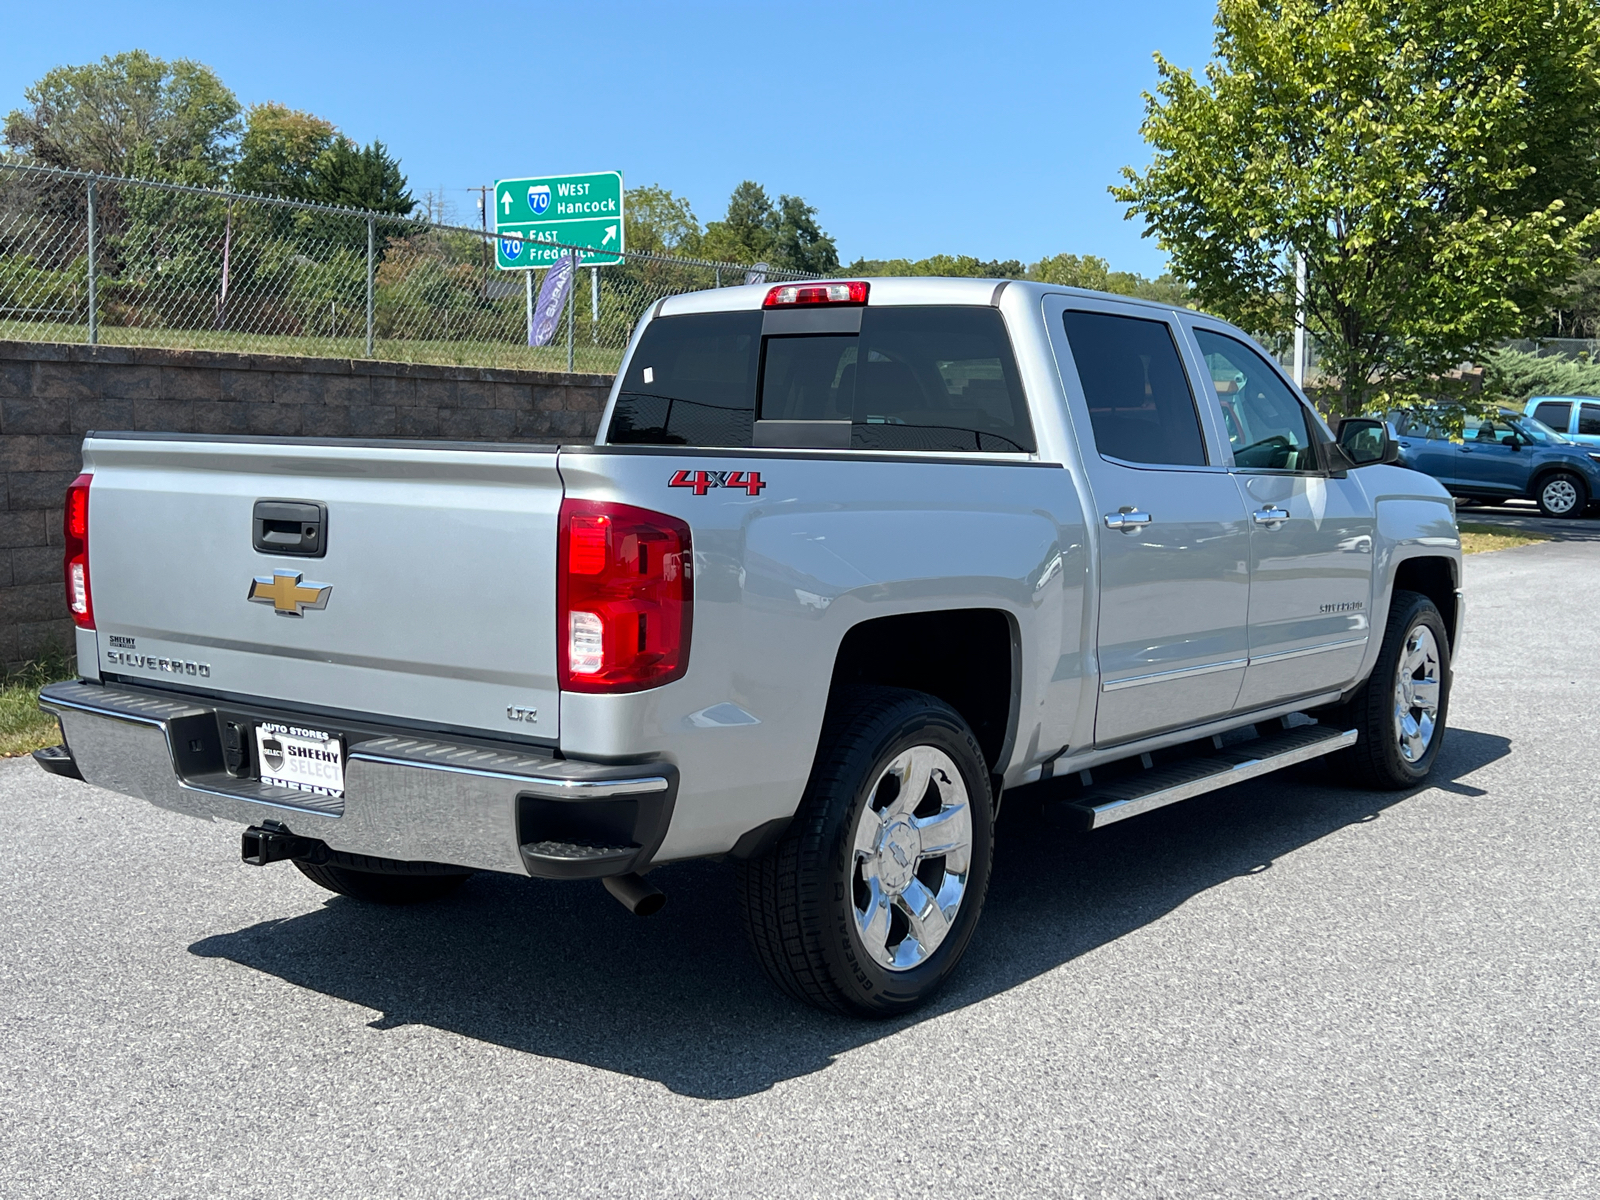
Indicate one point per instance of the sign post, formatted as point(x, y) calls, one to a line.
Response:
point(565, 210)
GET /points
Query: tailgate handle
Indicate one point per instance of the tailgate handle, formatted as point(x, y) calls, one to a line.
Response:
point(290, 527)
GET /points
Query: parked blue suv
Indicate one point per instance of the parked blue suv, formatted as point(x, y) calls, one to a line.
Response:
point(1501, 457)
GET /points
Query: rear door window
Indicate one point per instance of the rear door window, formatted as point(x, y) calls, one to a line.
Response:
point(1588, 419)
point(923, 378)
point(1140, 405)
point(1424, 425)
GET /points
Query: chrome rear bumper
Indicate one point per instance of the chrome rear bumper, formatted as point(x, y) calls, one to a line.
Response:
point(406, 798)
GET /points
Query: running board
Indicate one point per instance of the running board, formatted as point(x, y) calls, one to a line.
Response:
point(1120, 799)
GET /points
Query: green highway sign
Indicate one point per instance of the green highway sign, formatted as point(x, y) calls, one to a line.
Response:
point(573, 210)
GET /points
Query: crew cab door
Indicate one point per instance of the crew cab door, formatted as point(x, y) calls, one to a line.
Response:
point(1310, 531)
point(1173, 540)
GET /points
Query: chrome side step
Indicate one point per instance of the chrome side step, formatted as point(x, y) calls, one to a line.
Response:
point(1104, 804)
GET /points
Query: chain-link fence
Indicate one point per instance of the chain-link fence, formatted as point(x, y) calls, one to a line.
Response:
point(99, 259)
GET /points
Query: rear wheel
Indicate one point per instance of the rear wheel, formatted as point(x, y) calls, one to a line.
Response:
point(1400, 711)
point(383, 880)
point(867, 903)
point(1562, 494)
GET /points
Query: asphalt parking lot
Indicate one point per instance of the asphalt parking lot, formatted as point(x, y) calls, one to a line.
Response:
point(1289, 989)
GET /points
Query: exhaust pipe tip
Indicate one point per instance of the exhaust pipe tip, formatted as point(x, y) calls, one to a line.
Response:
point(635, 895)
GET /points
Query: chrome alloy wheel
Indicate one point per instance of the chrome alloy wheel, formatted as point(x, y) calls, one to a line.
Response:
point(1559, 496)
point(1416, 694)
point(913, 853)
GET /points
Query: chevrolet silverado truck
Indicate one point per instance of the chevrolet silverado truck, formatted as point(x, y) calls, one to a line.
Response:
point(846, 563)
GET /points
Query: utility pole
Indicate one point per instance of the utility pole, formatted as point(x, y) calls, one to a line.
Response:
point(483, 223)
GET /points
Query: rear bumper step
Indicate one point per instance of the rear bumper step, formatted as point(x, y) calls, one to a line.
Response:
point(407, 799)
point(57, 760)
point(1123, 798)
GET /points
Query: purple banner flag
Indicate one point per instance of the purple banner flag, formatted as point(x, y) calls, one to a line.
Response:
point(552, 299)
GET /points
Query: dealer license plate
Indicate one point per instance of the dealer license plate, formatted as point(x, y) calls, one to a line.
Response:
point(291, 756)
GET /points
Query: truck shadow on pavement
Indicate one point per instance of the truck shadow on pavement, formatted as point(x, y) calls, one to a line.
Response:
point(561, 970)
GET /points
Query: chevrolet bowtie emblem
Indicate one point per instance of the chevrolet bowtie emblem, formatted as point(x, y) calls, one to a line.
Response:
point(287, 595)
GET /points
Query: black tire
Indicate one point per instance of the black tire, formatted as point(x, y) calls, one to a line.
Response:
point(799, 900)
point(1379, 760)
point(383, 880)
point(1562, 494)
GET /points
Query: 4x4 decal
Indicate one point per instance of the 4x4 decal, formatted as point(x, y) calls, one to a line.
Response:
point(704, 481)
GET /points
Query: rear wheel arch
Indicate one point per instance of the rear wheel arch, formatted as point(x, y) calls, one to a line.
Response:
point(969, 657)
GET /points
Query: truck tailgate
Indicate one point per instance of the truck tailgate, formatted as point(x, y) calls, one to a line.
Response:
point(439, 560)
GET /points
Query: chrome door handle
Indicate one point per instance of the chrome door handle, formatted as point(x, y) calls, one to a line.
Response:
point(1271, 516)
point(1127, 519)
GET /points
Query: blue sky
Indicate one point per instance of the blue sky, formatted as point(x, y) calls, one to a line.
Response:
point(986, 128)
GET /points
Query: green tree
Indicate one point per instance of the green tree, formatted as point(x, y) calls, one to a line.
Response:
point(661, 223)
point(1513, 376)
point(1576, 311)
point(360, 177)
point(1434, 160)
point(744, 235)
point(279, 151)
point(798, 242)
point(130, 113)
point(784, 235)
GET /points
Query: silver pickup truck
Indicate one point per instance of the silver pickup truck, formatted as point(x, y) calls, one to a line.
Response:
point(847, 563)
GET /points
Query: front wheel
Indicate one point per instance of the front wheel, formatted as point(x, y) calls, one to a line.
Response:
point(1400, 711)
point(868, 901)
point(1562, 494)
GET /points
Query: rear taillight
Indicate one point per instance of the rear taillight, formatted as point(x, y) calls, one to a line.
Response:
point(75, 536)
point(801, 294)
point(624, 597)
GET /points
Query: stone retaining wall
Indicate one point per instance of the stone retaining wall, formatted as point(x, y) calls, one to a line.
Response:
point(51, 395)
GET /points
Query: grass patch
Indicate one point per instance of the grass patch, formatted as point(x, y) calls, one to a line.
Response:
point(23, 728)
point(1476, 539)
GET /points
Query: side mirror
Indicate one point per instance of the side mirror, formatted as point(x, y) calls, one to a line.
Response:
point(1366, 440)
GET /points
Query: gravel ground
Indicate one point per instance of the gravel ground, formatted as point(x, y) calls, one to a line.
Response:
point(1286, 989)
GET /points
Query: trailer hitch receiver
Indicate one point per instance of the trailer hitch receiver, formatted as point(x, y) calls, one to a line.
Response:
point(271, 842)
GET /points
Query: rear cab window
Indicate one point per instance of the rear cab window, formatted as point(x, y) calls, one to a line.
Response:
point(929, 378)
